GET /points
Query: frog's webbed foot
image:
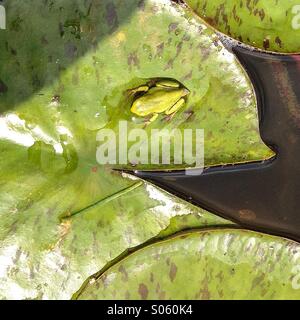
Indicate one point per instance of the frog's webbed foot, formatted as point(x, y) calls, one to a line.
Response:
point(189, 114)
point(168, 117)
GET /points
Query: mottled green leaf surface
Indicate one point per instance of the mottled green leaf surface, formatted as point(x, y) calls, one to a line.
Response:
point(64, 68)
point(266, 24)
point(116, 49)
point(218, 264)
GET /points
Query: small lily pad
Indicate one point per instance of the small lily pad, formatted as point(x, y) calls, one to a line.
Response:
point(217, 264)
point(270, 25)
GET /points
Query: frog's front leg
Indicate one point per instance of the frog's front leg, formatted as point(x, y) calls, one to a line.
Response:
point(172, 111)
point(138, 89)
point(153, 118)
point(148, 121)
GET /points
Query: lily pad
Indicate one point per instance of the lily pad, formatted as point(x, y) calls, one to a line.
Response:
point(270, 25)
point(217, 264)
point(64, 68)
point(81, 76)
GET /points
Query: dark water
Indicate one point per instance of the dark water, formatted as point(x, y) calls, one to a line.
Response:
point(263, 196)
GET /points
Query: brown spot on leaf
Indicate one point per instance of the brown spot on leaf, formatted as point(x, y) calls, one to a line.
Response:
point(235, 16)
point(225, 18)
point(13, 51)
point(178, 48)
point(111, 15)
point(172, 27)
point(161, 294)
point(186, 37)
point(173, 271)
point(266, 44)
point(260, 13)
point(31, 273)
point(18, 255)
point(220, 276)
point(169, 65)
point(205, 52)
point(3, 87)
point(61, 29)
point(168, 261)
point(143, 291)
point(151, 277)
point(278, 42)
point(141, 5)
point(190, 115)
point(160, 49)
point(133, 60)
point(248, 2)
point(188, 76)
point(204, 293)
point(257, 281)
point(124, 273)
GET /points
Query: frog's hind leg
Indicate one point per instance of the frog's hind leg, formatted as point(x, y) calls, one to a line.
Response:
point(167, 84)
point(172, 111)
point(175, 107)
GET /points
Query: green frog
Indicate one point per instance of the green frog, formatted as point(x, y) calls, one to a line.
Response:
point(161, 96)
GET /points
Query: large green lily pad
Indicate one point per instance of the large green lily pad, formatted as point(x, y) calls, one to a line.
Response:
point(218, 264)
point(75, 77)
point(63, 216)
point(266, 24)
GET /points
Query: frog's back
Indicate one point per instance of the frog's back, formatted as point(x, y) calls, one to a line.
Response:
point(157, 100)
